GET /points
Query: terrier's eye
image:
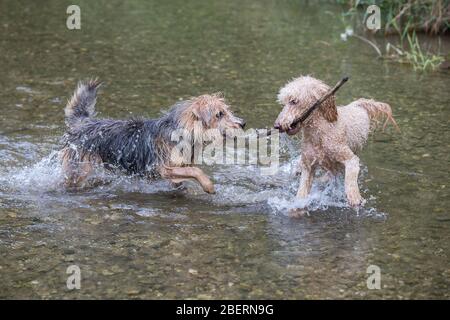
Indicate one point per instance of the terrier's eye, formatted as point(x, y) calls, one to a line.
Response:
point(293, 102)
point(220, 115)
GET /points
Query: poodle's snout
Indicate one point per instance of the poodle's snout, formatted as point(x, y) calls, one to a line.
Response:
point(277, 125)
point(280, 122)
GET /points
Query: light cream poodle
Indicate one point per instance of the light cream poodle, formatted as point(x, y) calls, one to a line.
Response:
point(330, 135)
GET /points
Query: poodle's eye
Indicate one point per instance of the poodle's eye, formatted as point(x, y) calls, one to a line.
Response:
point(293, 102)
point(220, 115)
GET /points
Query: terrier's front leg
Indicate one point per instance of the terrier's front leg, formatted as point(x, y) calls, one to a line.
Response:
point(179, 174)
point(204, 180)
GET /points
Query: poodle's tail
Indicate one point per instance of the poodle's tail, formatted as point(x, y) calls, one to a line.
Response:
point(378, 111)
point(82, 103)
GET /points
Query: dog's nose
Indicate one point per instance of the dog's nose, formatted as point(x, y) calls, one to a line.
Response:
point(277, 126)
point(242, 124)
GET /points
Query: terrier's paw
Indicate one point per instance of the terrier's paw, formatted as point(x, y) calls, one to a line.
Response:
point(209, 188)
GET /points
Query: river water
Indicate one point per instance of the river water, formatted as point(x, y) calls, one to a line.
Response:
point(135, 239)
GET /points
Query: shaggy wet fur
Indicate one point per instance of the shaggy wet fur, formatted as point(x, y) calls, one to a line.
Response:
point(332, 135)
point(137, 146)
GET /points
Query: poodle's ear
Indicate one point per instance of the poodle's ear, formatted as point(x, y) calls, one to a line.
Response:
point(218, 95)
point(329, 110)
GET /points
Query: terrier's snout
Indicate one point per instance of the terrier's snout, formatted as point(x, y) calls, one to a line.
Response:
point(240, 122)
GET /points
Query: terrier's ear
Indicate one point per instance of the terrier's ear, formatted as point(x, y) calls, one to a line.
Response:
point(201, 113)
point(329, 110)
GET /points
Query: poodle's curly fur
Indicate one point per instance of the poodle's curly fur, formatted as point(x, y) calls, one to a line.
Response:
point(332, 135)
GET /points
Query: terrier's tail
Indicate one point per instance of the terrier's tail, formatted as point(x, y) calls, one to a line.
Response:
point(377, 111)
point(82, 103)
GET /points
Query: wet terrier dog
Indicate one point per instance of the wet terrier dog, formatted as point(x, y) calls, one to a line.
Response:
point(330, 135)
point(138, 146)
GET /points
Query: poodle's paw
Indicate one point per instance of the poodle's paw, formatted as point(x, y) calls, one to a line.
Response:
point(355, 200)
point(297, 213)
point(302, 193)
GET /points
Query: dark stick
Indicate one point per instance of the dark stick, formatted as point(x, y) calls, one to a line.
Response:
point(319, 102)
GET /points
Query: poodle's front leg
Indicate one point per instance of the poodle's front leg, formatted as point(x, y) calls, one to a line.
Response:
point(305, 180)
point(351, 181)
point(179, 174)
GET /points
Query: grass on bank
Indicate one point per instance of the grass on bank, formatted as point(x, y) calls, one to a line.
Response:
point(405, 18)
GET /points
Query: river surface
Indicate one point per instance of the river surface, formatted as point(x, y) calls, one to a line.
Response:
point(135, 239)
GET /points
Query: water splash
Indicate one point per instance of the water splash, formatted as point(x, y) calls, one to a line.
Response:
point(237, 186)
point(246, 186)
point(46, 175)
point(322, 196)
